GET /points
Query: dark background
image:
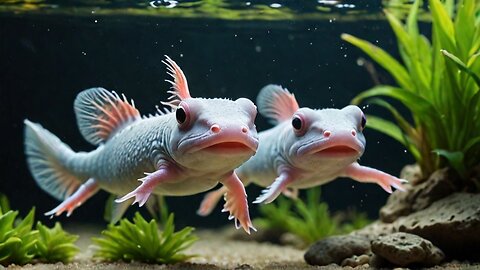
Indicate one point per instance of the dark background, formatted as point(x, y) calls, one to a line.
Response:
point(46, 61)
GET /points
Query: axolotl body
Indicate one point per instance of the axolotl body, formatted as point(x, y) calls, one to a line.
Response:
point(306, 148)
point(182, 152)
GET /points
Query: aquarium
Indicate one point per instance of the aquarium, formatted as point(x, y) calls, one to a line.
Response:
point(264, 134)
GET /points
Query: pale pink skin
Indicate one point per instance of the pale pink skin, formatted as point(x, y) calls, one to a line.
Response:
point(168, 156)
point(328, 146)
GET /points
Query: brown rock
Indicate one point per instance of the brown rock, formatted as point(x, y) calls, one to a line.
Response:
point(440, 184)
point(405, 249)
point(335, 249)
point(452, 223)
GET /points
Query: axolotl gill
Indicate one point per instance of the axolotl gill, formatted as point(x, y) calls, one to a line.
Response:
point(184, 151)
point(306, 148)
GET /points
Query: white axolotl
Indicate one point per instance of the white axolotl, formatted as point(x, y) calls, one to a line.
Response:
point(306, 148)
point(183, 152)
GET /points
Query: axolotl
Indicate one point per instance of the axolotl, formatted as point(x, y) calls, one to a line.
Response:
point(182, 151)
point(306, 148)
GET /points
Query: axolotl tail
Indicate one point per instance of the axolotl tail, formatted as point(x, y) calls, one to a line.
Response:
point(47, 159)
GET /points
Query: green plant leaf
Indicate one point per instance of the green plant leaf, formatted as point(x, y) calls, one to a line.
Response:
point(441, 20)
point(416, 103)
point(310, 220)
point(462, 66)
point(456, 159)
point(55, 244)
point(383, 58)
point(141, 241)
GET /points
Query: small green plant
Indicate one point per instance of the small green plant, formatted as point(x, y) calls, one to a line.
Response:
point(142, 241)
point(438, 82)
point(310, 220)
point(20, 243)
point(17, 241)
point(54, 244)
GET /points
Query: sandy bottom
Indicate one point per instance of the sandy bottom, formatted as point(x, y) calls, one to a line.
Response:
point(215, 251)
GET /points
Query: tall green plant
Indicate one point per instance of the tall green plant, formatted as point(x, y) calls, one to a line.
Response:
point(437, 81)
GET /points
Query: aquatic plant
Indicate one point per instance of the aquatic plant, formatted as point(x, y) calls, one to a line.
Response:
point(55, 244)
point(142, 241)
point(4, 203)
point(438, 82)
point(20, 243)
point(17, 241)
point(310, 220)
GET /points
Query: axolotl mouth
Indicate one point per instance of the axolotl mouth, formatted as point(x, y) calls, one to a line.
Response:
point(331, 148)
point(224, 144)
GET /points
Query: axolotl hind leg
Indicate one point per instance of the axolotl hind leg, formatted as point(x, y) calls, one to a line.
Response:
point(367, 174)
point(83, 193)
point(210, 201)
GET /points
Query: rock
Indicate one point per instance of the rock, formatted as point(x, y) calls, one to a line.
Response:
point(405, 249)
point(452, 224)
point(413, 174)
point(440, 184)
point(375, 229)
point(355, 260)
point(335, 249)
point(379, 262)
point(290, 239)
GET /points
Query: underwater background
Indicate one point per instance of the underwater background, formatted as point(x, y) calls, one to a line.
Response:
point(49, 52)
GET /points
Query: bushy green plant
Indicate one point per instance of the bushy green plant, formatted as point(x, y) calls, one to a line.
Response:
point(17, 241)
point(20, 243)
point(54, 244)
point(142, 241)
point(310, 220)
point(442, 93)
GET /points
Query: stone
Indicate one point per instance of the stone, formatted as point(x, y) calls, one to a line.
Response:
point(440, 184)
point(335, 249)
point(405, 249)
point(452, 224)
point(375, 229)
point(355, 260)
point(413, 174)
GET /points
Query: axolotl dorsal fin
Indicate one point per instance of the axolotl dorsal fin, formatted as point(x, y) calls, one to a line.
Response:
point(101, 113)
point(276, 103)
point(179, 90)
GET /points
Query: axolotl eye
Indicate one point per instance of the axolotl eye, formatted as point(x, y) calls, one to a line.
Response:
point(364, 121)
point(298, 124)
point(182, 114)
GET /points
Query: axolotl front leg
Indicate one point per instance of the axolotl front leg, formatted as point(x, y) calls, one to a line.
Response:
point(149, 183)
point(370, 175)
point(355, 171)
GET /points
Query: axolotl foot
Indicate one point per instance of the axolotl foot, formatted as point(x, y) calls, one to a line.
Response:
point(142, 192)
point(82, 194)
point(367, 174)
point(236, 203)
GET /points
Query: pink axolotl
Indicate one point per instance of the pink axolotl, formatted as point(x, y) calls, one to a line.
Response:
point(306, 148)
point(183, 152)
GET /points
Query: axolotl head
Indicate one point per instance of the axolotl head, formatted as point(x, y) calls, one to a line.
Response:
point(328, 136)
point(214, 133)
